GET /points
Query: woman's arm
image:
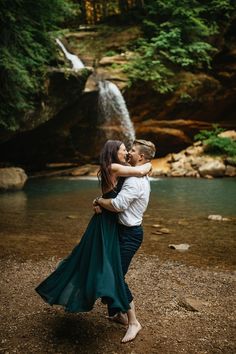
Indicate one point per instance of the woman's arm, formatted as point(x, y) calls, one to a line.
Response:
point(129, 171)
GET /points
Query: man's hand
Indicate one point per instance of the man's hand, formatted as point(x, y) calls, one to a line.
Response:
point(97, 209)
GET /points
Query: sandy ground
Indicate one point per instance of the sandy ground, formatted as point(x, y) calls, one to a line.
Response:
point(183, 309)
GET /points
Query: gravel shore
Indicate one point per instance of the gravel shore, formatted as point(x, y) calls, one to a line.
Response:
point(183, 309)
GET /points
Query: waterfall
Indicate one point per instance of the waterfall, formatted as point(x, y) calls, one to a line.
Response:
point(75, 61)
point(113, 110)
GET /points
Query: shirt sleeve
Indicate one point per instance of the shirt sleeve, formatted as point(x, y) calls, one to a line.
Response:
point(129, 192)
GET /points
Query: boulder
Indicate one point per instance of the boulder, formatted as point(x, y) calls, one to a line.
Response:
point(161, 166)
point(12, 178)
point(213, 168)
point(230, 171)
point(217, 218)
point(231, 134)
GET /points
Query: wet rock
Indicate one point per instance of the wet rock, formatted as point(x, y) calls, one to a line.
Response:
point(12, 178)
point(181, 247)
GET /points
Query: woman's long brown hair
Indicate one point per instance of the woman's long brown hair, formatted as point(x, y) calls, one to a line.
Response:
point(108, 156)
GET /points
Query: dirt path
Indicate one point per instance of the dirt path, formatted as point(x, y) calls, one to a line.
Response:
point(164, 293)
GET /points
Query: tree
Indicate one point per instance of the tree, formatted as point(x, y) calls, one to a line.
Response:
point(26, 49)
point(178, 36)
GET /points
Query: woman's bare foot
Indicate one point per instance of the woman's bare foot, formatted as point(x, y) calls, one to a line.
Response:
point(120, 317)
point(132, 332)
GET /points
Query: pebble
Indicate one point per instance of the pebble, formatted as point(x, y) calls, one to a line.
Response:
point(217, 218)
point(180, 247)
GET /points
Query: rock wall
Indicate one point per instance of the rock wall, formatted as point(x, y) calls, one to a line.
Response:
point(195, 162)
point(65, 127)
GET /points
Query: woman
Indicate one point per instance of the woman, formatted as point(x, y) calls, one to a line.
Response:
point(93, 269)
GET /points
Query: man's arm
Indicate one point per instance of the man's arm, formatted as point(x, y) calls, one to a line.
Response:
point(129, 192)
point(106, 204)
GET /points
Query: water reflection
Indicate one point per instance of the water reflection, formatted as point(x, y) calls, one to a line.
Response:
point(13, 202)
point(191, 197)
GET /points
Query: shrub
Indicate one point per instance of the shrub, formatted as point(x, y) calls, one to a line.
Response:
point(110, 53)
point(216, 145)
point(178, 35)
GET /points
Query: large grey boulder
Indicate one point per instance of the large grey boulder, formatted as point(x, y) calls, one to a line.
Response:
point(12, 178)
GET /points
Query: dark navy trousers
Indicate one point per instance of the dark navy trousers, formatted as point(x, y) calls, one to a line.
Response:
point(130, 239)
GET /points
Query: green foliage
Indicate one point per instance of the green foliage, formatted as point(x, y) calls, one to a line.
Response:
point(26, 49)
point(218, 146)
point(215, 144)
point(177, 35)
point(204, 135)
point(154, 71)
point(110, 53)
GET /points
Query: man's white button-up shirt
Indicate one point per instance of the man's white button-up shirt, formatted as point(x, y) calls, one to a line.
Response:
point(132, 200)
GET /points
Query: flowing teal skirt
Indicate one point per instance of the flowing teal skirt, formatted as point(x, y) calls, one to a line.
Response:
point(92, 270)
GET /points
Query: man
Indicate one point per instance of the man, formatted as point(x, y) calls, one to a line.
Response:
point(131, 203)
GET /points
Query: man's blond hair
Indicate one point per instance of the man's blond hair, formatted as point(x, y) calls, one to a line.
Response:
point(147, 148)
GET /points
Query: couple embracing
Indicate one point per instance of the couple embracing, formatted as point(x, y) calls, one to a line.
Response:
point(97, 266)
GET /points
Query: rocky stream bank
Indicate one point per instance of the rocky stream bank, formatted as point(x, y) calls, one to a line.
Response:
point(190, 162)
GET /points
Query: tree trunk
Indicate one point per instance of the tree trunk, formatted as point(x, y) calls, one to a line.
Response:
point(140, 3)
point(124, 6)
point(83, 11)
point(104, 8)
point(94, 11)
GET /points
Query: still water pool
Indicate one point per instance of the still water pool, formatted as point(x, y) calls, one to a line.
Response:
point(49, 216)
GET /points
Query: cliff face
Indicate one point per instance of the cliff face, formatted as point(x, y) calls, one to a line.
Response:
point(69, 128)
point(171, 121)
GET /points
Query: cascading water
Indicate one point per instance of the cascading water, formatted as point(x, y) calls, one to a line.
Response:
point(75, 61)
point(113, 111)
